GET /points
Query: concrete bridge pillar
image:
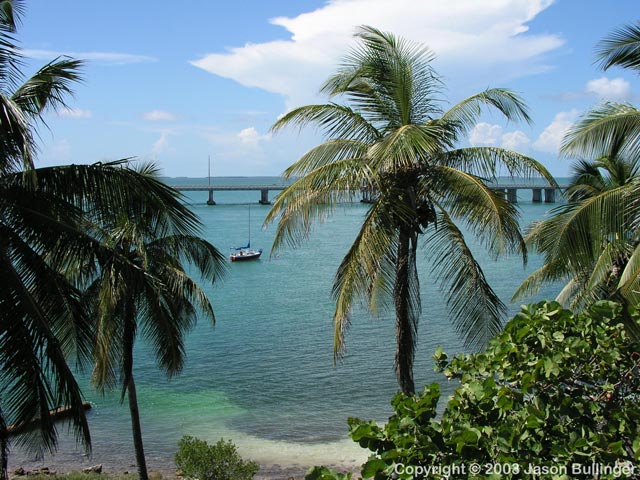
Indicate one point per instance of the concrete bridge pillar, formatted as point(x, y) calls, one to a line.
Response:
point(369, 195)
point(211, 201)
point(549, 195)
point(264, 197)
point(537, 195)
point(512, 195)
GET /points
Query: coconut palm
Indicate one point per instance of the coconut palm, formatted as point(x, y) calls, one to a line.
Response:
point(610, 126)
point(41, 324)
point(588, 242)
point(51, 221)
point(591, 244)
point(139, 285)
point(391, 136)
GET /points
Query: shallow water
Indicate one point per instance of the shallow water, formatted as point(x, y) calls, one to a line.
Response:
point(264, 375)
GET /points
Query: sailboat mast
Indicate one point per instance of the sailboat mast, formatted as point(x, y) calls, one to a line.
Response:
point(209, 170)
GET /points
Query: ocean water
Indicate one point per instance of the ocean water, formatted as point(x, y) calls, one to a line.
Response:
point(264, 376)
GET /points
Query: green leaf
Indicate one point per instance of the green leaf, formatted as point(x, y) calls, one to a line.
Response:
point(372, 467)
point(636, 448)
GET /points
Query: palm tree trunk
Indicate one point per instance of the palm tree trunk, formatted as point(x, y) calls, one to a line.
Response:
point(404, 325)
point(137, 430)
point(127, 368)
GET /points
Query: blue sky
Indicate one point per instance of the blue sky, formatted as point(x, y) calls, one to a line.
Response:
point(175, 82)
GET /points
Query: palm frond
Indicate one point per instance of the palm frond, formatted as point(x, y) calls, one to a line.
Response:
point(107, 190)
point(630, 278)
point(10, 58)
point(549, 272)
point(492, 219)
point(324, 154)
point(48, 87)
point(620, 48)
point(41, 234)
point(466, 113)
point(587, 181)
point(335, 121)
point(604, 269)
point(390, 80)
point(366, 271)
point(16, 139)
point(165, 317)
point(609, 127)
point(35, 377)
point(313, 197)
point(476, 310)
point(578, 231)
point(406, 148)
point(194, 250)
point(572, 294)
point(491, 162)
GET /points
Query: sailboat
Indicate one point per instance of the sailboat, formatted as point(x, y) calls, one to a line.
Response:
point(245, 253)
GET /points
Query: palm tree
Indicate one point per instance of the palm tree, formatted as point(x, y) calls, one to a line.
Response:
point(52, 220)
point(588, 242)
point(592, 242)
point(392, 137)
point(41, 324)
point(610, 126)
point(139, 285)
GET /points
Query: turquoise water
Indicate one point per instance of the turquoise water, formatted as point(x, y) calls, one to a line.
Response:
point(264, 375)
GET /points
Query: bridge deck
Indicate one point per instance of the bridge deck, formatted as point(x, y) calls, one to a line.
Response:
point(206, 188)
point(508, 190)
point(524, 186)
point(276, 186)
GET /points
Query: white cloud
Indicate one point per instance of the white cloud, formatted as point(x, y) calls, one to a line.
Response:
point(161, 145)
point(74, 113)
point(517, 141)
point(106, 58)
point(551, 137)
point(617, 89)
point(241, 150)
point(492, 135)
point(250, 136)
point(485, 134)
point(489, 38)
point(158, 116)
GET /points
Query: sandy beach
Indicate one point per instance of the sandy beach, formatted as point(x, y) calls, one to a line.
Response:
point(52, 465)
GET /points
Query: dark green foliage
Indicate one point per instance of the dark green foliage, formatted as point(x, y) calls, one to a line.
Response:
point(197, 459)
point(553, 390)
point(324, 473)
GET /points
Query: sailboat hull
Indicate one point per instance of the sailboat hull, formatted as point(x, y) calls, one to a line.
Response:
point(244, 255)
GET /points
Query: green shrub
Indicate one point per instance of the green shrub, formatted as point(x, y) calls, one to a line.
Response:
point(555, 395)
point(199, 460)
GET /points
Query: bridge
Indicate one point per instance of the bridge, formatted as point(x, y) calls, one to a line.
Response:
point(508, 191)
point(263, 189)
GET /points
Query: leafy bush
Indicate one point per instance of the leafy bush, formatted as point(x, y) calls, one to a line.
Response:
point(199, 460)
point(555, 393)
